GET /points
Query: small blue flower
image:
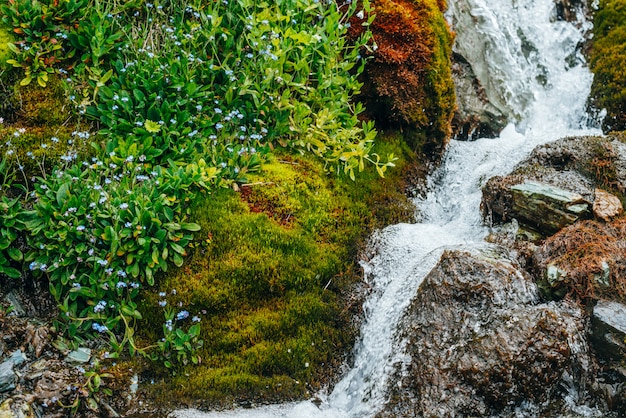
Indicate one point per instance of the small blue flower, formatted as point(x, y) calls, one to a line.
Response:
point(98, 327)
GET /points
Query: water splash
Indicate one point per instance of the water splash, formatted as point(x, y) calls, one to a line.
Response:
point(530, 65)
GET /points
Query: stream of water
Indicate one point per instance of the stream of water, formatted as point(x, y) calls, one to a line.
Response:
point(530, 65)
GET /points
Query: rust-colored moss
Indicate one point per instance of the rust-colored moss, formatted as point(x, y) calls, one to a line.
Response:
point(408, 82)
point(592, 255)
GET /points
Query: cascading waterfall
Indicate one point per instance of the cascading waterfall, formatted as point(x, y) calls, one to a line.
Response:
point(529, 65)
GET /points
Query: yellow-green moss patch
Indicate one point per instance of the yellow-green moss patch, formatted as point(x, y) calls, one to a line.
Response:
point(608, 55)
point(6, 37)
point(269, 277)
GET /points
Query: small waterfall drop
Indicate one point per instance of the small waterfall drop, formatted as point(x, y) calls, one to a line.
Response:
point(530, 65)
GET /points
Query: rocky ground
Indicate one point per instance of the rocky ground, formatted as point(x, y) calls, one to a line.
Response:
point(534, 323)
point(39, 377)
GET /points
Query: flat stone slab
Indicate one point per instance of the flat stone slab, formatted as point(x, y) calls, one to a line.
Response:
point(546, 207)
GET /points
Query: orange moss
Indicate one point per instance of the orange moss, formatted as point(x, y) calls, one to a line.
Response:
point(584, 251)
point(408, 83)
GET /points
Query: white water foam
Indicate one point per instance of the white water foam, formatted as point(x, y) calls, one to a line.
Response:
point(522, 57)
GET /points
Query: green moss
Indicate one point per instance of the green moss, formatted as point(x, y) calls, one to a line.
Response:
point(6, 37)
point(38, 149)
point(608, 55)
point(269, 276)
point(42, 106)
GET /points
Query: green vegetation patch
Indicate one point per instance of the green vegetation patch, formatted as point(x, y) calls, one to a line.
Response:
point(269, 278)
point(6, 37)
point(608, 55)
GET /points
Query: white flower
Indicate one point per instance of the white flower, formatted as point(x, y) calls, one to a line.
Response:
point(360, 14)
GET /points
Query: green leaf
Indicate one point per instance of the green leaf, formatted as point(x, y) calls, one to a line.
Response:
point(178, 248)
point(62, 193)
point(139, 95)
point(10, 271)
point(193, 227)
point(134, 270)
point(106, 77)
point(97, 380)
point(178, 260)
point(15, 254)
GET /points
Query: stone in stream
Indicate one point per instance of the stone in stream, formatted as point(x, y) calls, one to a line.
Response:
point(608, 324)
point(547, 208)
point(480, 342)
point(585, 260)
point(544, 191)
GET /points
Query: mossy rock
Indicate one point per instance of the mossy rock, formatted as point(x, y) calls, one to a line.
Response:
point(408, 81)
point(270, 276)
point(608, 55)
point(586, 261)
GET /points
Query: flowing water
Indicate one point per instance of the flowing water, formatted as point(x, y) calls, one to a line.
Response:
point(530, 65)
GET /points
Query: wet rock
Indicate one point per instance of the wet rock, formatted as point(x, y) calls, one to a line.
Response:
point(586, 260)
point(480, 342)
point(8, 378)
point(609, 330)
point(570, 10)
point(578, 165)
point(475, 116)
point(546, 207)
point(606, 205)
point(79, 356)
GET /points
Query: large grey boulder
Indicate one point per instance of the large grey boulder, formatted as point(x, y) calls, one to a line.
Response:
point(481, 343)
point(475, 116)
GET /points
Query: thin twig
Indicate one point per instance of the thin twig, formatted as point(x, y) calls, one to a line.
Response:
point(259, 183)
